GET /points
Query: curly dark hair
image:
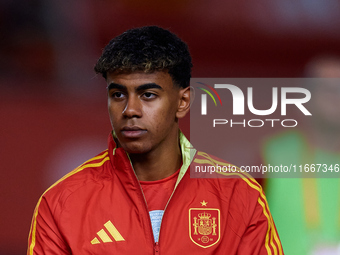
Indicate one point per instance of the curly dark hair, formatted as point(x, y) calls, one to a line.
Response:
point(147, 49)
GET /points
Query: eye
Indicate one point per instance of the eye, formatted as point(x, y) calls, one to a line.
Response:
point(149, 95)
point(117, 95)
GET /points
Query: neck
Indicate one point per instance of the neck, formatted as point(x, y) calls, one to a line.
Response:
point(158, 164)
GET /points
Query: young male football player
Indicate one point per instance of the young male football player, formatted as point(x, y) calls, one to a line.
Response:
point(137, 197)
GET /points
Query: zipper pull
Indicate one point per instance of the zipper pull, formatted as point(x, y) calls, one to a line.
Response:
point(156, 247)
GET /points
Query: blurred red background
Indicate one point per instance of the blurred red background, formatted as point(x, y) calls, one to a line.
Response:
point(53, 106)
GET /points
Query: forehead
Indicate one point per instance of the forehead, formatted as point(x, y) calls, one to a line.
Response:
point(135, 79)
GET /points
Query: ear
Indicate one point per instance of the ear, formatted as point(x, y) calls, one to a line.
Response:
point(186, 96)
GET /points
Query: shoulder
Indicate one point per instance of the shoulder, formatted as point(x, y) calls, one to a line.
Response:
point(92, 171)
point(228, 178)
point(236, 192)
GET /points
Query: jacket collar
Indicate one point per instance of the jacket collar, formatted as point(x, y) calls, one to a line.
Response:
point(121, 161)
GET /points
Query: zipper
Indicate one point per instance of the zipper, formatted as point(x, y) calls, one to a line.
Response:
point(156, 247)
point(177, 182)
point(155, 244)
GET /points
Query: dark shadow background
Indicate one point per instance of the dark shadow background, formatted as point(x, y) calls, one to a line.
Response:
point(53, 112)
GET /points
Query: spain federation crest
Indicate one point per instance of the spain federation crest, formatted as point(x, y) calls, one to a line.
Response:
point(204, 226)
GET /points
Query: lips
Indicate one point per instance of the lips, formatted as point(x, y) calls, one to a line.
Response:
point(132, 131)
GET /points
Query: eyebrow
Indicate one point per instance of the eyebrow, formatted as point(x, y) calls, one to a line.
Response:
point(148, 86)
point(138, 89)
point(115, 86)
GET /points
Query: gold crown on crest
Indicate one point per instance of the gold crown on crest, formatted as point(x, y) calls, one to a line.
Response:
point(204, 216)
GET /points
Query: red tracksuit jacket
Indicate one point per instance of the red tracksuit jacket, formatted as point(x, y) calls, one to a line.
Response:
point(99, 208)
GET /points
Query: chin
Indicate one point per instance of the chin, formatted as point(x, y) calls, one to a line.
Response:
point(135, 149)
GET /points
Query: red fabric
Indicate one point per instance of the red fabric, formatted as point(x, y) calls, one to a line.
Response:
point(157, 193)
point(83, 213)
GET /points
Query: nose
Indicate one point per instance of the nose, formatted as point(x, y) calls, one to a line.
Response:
point(133, 108)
